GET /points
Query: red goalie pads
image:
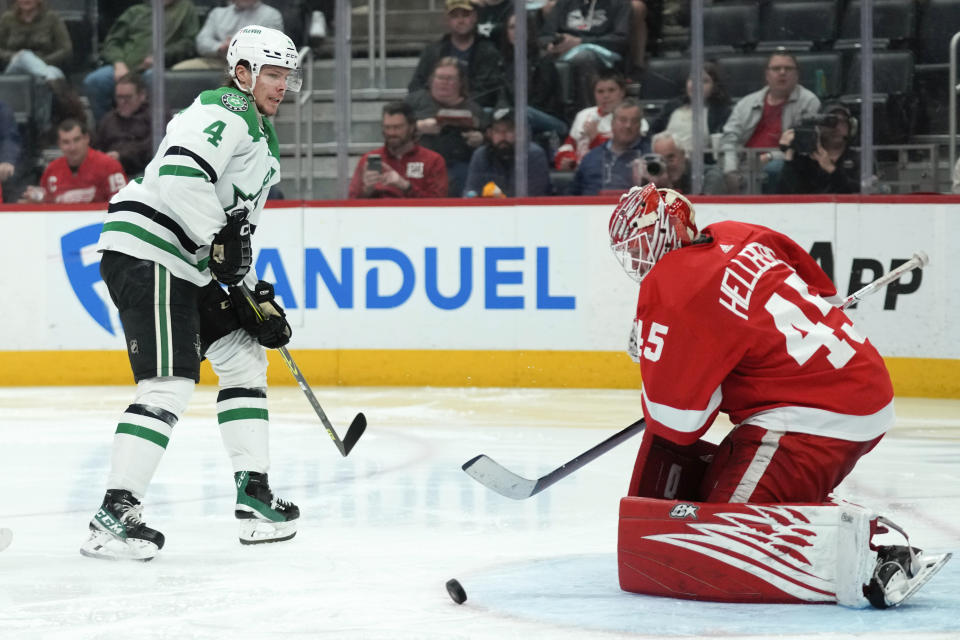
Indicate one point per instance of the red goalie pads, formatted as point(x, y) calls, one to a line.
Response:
point(670, 544)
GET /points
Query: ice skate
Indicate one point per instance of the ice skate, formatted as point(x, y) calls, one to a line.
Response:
point(900, 572)
point(263, 517)
point(118, 533)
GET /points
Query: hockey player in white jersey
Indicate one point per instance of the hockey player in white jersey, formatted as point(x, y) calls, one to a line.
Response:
point(168, 242)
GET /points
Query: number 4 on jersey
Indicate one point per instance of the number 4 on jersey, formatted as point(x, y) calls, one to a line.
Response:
point(804, 336)
point(216, 132)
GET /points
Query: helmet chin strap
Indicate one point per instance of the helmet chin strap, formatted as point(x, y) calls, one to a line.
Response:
point(253, 81)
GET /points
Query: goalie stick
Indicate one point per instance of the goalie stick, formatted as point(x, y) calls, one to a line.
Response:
point(359, 424)
point(495, 476)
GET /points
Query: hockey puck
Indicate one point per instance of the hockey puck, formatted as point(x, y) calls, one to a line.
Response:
point(455, 589)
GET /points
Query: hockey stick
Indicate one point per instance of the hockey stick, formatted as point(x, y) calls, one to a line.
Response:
point(495, 476)
point(359, 424)
point(919, 259)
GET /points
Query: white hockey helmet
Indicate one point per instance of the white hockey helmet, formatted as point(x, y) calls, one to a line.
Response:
point(261, 46)
point(647, 224)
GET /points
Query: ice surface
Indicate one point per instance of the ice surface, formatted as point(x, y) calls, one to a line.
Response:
point(385, 528)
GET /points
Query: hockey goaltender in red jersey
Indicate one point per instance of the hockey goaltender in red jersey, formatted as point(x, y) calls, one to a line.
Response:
point(740, 319)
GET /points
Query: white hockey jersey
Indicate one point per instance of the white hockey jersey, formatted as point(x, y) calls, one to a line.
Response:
point(218, 157)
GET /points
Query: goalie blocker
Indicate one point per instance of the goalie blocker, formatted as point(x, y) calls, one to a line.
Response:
point(671, 545)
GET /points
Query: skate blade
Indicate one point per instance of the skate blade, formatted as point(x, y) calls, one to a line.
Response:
point(106, 546)
point(261, 531)
point(929, 565)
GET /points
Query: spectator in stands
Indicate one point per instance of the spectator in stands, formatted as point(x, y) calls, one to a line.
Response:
point(401, 168)
point(221, 25)
point(829, 166)
point(609, 167)
point(9, 145)
point(125, 133)
point(591, 126)
point(492, 17)
point(760, 118)
point(638, 29)
point(544, 92)
point(82, 174)
point(479, 56)
point(448, 121)
point(590, 35)
point(956, 177)
point(34, 40)
point(492, 167)
point(129, 45)
point(668, 166)
point(677, 115)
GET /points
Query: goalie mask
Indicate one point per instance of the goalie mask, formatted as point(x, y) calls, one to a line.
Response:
point(647, 224)
point(260, 46)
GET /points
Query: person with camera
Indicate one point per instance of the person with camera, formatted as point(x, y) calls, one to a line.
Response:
point(401, 168)
point(817, 154)
point(670, 168)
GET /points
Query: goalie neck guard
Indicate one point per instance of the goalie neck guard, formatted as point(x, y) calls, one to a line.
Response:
point(261, 46)
point(647, 224)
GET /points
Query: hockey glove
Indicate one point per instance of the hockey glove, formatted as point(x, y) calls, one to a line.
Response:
point(272, 329)
point(230, 252)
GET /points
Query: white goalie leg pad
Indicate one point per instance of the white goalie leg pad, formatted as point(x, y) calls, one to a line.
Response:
point(239, 361)
point(106, 546)
point(855, 561)
point(256, 531)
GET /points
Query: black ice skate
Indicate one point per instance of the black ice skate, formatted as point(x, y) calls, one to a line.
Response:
point(900, 571)
point(118, 533)
point(263, 517)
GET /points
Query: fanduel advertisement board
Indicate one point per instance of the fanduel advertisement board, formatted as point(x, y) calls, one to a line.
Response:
point(527, 277)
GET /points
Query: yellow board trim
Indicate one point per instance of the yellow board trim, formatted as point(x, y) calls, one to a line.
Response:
point(922, 377)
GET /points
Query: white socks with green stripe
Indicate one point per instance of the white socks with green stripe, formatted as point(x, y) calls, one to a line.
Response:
point(138, 444)
point(244, 427)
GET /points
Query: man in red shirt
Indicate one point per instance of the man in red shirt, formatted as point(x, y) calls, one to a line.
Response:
point(82, 174)
point(401, 168)
point(758, 119)
point(739, 319)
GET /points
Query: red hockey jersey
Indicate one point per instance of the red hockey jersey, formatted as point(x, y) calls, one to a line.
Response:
point(739, 325)
point(97, 179)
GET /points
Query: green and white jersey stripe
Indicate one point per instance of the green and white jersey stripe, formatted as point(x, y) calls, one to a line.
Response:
point(218, 155)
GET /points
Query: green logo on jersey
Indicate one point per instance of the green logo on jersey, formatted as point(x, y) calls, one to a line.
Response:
point(234, 102)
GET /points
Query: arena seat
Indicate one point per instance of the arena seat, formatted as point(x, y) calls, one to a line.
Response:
point(821, 72)
point(181, 87)
point(743, 74)
point(731, 27)
point(894, 24)
point(797, 26)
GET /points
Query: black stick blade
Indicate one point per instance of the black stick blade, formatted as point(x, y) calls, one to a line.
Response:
point(496, 477)
point(354, 431)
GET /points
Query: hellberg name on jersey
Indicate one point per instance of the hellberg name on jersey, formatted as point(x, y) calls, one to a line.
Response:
point(740, 325)
point(218, 156)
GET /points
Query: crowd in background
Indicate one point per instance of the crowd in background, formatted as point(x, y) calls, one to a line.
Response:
point(454, 133)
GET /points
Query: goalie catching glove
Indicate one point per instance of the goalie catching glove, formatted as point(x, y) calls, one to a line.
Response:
point(269, 326)
point(230, 252)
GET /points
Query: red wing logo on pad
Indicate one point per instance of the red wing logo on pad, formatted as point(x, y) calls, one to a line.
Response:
point(774, 544)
